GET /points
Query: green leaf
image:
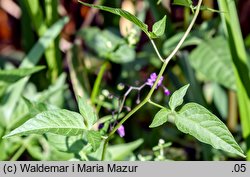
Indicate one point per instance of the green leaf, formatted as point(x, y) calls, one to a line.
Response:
point(160, 118)
point(159, 27)
point(212, 58)
point(209, 9)
point(107, 45)
point(8, 77)
point(186, 3)
point(121, 151)
point(94, 138)
point(119, 57)
point(176, 98)
point(122, 13)
point(31, 60)
point(13, 75)
point(61, 121)
point(101, 42)
point(27, 110)
point(87, 111)
point(197, 121)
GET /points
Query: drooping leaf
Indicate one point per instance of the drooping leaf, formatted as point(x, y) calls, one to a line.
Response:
point(119, 152)
point(94, 138)
point(160, 118)
point(87, 111)
point(159, 27)
point(212, 58)
point(61, 121)
point(13, 75)
point(197, 121)
point(176, 98)
point(122, 13)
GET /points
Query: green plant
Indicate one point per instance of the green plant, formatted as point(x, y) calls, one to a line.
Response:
point(85, 136)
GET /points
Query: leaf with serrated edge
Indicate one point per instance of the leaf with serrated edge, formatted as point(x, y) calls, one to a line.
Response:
point(159, 27)
point(176, 98)
point(94, 138)
point(61, 121)
point(87, 111)
point(197, 121)
point(121, 13)
point(160, 118)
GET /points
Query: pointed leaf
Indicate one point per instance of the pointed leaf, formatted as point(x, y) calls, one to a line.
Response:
point(94, 138)
point(61, 121)
point(121, 13)
point(159, 27)
point(87, 111)
point(160, 118)
point(176, 98)
point(197, 121)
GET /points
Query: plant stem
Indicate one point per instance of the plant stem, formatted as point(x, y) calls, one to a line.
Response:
point(186, 33)
point(232, 111)
point(166, 61)
point(155, 104)
point(156, 50)
point(21, 149)
point(98, 82)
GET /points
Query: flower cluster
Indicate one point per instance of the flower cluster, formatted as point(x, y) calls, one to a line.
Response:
point(151, 80)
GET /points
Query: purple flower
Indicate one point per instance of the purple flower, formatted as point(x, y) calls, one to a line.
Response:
point(121, 131)
point(151, 80)
point(166, 92)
